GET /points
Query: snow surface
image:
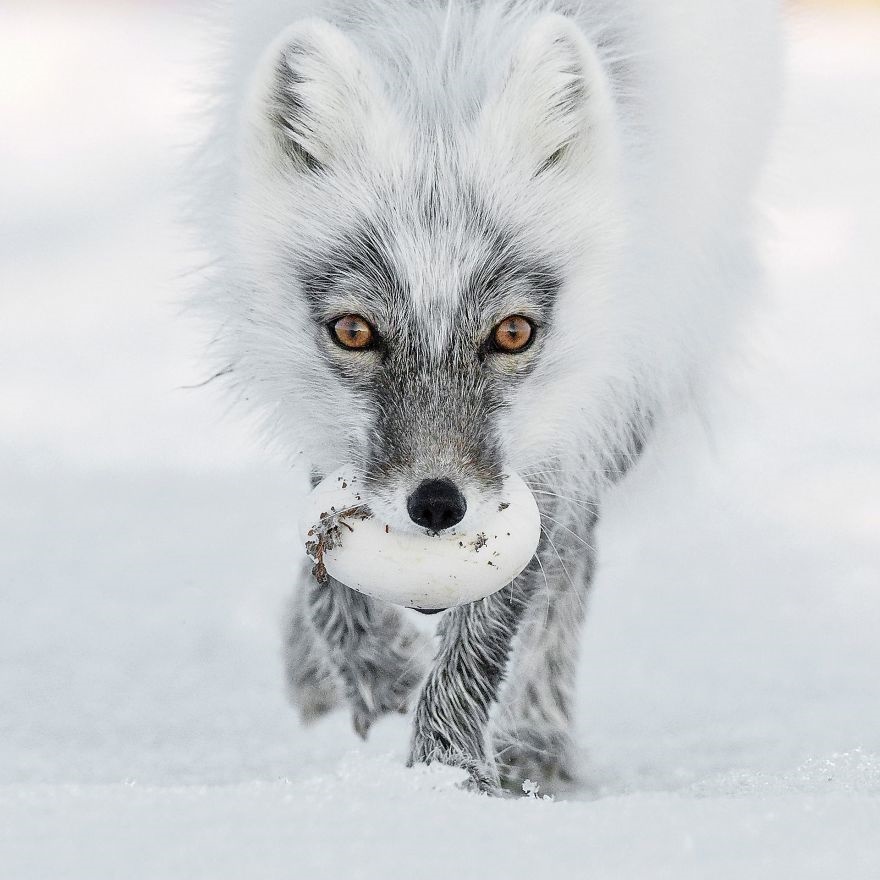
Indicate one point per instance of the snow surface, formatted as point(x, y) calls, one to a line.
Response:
point(730, 699)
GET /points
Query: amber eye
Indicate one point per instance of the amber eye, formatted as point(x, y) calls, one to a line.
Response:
point(353, 331)
point(513, 334)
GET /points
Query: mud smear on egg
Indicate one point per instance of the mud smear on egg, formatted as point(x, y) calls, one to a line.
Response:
point(327, 534)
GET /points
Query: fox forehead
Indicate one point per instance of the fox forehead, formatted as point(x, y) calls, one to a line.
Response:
point(447, 261)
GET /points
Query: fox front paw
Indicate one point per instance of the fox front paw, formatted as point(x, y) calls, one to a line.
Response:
point(482, 776)
point(430, 744)
point(543, 757)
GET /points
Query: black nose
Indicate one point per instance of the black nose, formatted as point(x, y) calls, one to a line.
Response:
point(436, 505)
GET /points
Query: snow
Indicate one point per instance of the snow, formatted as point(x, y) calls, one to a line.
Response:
point(730, 700)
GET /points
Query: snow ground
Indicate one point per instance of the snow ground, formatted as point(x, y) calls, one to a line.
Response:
point(730, 700)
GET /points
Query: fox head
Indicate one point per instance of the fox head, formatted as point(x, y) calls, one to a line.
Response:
point(424, 246)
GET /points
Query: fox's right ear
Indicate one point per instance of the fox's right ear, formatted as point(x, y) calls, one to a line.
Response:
point(316, 101)
point(554, 109)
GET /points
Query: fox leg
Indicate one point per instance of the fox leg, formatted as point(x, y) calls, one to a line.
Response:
point(458, 707)
point(345, 644)
point(313, 685)
point(451, 722)
point(532, 730)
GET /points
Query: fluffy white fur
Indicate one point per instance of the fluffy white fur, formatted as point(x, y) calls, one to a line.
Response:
point(650, 207)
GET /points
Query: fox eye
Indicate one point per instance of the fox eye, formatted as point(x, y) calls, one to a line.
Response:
point(513, 335)
point(353, 332)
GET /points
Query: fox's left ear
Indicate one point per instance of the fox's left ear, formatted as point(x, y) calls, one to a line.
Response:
point(316, 101)
point(554, 108)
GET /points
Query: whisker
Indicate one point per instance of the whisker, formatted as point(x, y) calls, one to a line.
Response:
point(580, 501)
point(567, 575)
point(586, 544)
point(546, 588)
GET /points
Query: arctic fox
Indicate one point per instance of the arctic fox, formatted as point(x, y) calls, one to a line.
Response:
point(457, 237)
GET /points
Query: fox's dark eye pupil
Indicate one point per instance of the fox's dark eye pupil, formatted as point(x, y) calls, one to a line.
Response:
point(353, 331)
point(513, 334)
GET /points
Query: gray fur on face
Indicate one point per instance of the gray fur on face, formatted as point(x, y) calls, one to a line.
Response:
point(433, 386)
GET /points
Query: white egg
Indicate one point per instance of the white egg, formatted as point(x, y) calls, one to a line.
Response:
point(417, 569)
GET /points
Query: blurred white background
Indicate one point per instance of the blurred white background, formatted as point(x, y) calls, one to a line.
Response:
point(730, 706)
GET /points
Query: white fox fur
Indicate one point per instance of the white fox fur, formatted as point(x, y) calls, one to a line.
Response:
point(616, 141)
point(694, 88)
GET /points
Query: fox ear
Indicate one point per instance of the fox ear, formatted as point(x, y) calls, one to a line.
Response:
point(316, 99)
point(554, 107)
